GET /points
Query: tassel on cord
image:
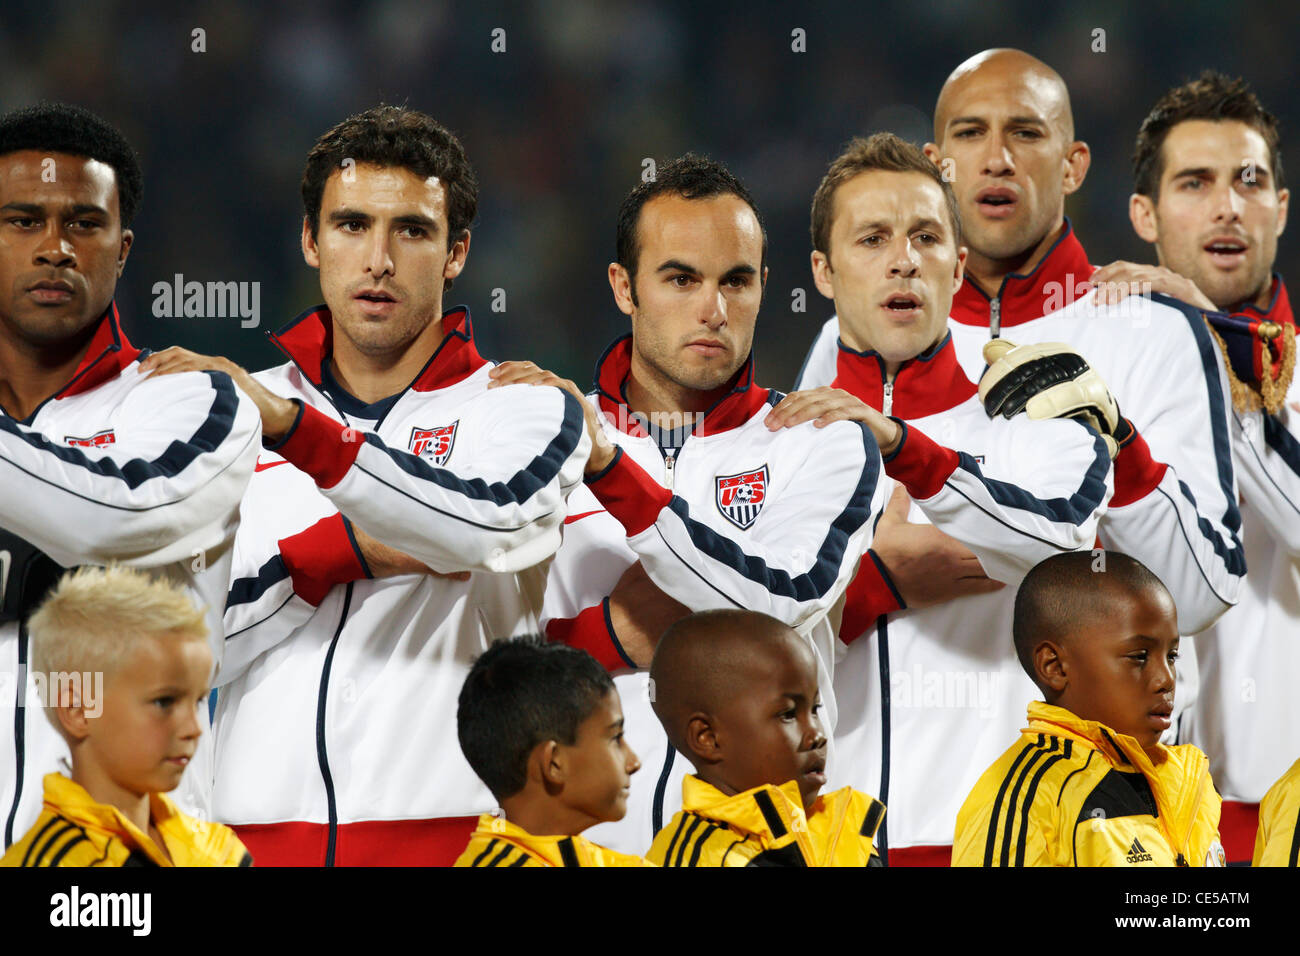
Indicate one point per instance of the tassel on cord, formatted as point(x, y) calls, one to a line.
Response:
point(1270, 394)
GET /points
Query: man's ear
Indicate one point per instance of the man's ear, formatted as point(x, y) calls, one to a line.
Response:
point(310, 251)
point(821, 270)
point(456, 261)
point(124, 249)
point(702, 738)
point(960, 273)
point(621, 282)
point(1051, 666)
point(1283, 203)
point(933, 153)
point(1142, 214)
point(1077, 160)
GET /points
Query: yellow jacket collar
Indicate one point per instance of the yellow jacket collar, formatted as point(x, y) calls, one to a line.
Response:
point(72, 801)
point(554, 850)
point(1178, 775)
point(773, 814)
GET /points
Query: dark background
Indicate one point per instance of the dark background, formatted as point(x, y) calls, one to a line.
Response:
point(558, 125)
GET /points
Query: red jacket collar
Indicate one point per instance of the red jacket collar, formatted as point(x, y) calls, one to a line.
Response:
point(1025, 297)
point(731, 411)
point(107, 356)
point(1279, 307)
point(309, 340)
point(932, 382)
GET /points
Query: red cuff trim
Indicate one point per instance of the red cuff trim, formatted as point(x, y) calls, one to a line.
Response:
point(593, 632)
point(1136, 473)
point(870, 594)
point(920, 464)
point(320, 446)
point(629, 494)
point(320, 557)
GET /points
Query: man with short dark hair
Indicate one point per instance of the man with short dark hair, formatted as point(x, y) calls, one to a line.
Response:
point(98, 462)
point(398, 523)
point(1210, 194)
point(691, 502)
point(1014, 491)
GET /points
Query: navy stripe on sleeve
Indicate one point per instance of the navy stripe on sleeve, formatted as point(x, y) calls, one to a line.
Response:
point(1282, 441)
point(248, 590)
point(819, 578)
point(1231, 553)
point(536, 475)
point(178, 456)
point(1074, 510)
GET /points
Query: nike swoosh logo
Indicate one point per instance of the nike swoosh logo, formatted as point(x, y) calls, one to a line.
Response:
point(586, 514)
point(263, 465)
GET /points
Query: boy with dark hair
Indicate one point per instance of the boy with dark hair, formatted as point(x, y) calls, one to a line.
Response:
point(1089, 783)
point(126, 666)
point(542, 726)
point(737, 694)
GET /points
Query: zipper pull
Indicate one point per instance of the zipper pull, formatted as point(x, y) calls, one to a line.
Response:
point(887, 406)
point(995, 318)
point(669, 459)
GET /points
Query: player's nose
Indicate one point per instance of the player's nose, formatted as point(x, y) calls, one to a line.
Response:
point(713, 312)
point(997, 159)
point(1228, 203)
point(379, 257)
point(54, 250)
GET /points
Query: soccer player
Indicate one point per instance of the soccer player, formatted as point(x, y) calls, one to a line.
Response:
point(99, 462)
point(1089, 783)
point(542, 726)
point(1209, 194)
point(684, 479)
point(390, 471)
point(1004, 137)
point(127, 668)
point(888, 250)
point(736, 692)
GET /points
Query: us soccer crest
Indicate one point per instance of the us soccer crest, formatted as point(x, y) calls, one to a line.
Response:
point(740, 497)
point(434, 444)
point(97, 440)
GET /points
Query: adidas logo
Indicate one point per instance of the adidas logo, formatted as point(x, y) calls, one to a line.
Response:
point(1137, 853)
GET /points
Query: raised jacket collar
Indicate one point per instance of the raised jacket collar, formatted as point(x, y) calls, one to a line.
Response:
point(71, 801)
point(552, 850)
point(1279, 306)
point(1028, 296)
point(309, 341)
point(1178, 775)
point(731, 411)
point(107, 356)
point(932, 382)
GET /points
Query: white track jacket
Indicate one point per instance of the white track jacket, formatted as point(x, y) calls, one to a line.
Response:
point(147, 472)
point(337, 708)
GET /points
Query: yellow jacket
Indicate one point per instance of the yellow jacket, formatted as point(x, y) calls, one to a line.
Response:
point(767, 826)
point(498, 842)
point(1072, 792)
point(74, 830)
point(1277, 842)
